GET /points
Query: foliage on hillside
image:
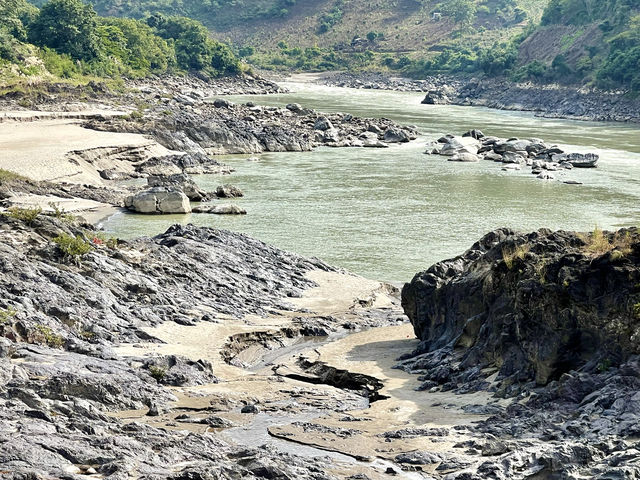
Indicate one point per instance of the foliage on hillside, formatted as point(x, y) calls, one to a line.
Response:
point(603, 48)
point(67, 39)
point(212, 13)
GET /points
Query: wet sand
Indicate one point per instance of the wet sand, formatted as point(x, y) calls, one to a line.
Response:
point(319, 409)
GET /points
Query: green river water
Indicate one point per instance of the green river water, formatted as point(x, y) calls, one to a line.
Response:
point(389, 213)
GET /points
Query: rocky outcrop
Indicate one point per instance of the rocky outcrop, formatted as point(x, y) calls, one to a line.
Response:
point(206, 129)
point(220, 209)
point(159, 200)
point(228, 191)
point(553, 101)
point(63, 311)
point(551, 321)
point(182, 182)
point(512, 153)
point(529, 307)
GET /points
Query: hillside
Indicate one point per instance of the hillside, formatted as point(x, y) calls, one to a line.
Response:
point(65, 40)
point(590, 41)
point(344, 33)
point(594, 42)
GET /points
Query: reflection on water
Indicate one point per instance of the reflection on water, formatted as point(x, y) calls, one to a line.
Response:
point(387, 214)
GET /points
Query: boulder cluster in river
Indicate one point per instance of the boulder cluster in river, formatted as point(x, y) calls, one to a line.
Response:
point(512, 153)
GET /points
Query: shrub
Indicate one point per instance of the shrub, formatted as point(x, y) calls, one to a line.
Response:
point(72, 246)
point(157, 372)
point(60, 212)
point(636, 311)
point(27, 215)
point(102, 239)
point(50, 338)
point(8, 176)
point(7, 314)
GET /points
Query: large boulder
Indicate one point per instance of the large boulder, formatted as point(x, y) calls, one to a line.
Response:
point(159, 200)
point(322, 124)
point(396, 135)
point(456, 145)
point(436, 97)
point(464, 157)
point(179, 181)
point(529, 308)
point(228, 191)
point(220, 209)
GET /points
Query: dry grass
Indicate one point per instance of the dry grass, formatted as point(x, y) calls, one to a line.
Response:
point(8, 176)
point(510, 254)
point(541, 270)
point(598, 243)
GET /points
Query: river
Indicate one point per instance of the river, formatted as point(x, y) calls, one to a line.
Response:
point(389, 213)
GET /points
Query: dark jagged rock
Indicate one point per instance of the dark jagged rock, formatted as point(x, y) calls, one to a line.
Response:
point(59, 377)
point(205, 130)
point(549, 320)
point(531, 306)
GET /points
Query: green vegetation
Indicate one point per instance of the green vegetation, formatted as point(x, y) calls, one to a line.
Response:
point(636, 311)
point(102, 239)
point(157, 372)
point(7, 314)
point(210, 12)
point(66, 39)
point(331, 18)
point(50, 338)
point(60, 212)
point(604, 365)
point(613, 61)
point(310, 59)
point(27, 215)
point(72, 246)
point(461, 11)
point(7, 176)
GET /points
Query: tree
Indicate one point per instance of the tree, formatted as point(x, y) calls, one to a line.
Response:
point(144, 51)
point(67, 26)
point(195, 50)
point(462, 11)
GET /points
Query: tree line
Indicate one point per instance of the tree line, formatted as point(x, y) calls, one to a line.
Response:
point(72, 39)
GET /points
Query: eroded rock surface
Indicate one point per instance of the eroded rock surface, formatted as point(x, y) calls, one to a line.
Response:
point(549, 320)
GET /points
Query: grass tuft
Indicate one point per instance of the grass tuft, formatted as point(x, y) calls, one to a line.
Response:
point(26, 215)
point(510, 254)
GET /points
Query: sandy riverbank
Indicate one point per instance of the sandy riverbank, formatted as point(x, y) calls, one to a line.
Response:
point(53, 147)
point(283, 399)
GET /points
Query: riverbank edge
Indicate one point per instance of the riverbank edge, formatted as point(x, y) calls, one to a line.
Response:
point(168, 127)
point(550, 101)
